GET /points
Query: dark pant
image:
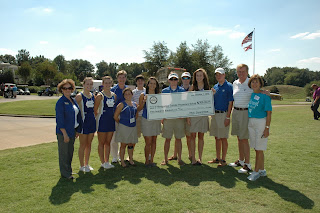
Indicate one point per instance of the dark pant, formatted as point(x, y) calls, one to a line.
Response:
point(314, 108)
point(65, 155)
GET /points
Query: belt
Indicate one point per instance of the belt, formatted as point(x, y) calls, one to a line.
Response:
point(219, 111)
point(241, 109)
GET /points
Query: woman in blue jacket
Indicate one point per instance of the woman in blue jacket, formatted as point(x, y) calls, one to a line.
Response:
point(69, 121)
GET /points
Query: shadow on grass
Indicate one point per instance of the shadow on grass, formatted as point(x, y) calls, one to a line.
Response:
point(167, 175)
point(284, 192)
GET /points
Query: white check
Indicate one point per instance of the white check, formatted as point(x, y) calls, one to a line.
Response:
point(180, 105)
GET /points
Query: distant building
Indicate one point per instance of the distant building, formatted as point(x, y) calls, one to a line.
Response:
point(8, 66)
point(163, 72)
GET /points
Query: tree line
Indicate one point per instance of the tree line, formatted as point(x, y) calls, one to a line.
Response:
point(40, 70)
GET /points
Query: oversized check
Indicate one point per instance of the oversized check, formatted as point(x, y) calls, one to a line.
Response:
point(180, 104)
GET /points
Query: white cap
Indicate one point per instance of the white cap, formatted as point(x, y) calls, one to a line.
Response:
point(186, 74)
point(220, 70)
point(173, 75)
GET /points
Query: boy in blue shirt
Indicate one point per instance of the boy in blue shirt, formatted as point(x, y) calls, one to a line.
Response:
point(220, 123)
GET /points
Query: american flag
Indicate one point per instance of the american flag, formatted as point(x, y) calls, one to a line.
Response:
point(248, 47)
point(248, 38)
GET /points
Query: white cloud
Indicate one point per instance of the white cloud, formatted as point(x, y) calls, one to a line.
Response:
point(40, 10)
point(94, 29)
point(312, 35)
point(275, 50)
point(310, 60)
point(307, 35)
point(4, 51)
point(231, 33)
point(237, 26)
point(43, 42)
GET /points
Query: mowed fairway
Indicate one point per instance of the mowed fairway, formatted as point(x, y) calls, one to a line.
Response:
point(30, 179)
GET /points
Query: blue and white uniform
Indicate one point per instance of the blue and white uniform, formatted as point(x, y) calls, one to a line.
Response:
point(128, 114)
point(87, 112)
point(105, 120)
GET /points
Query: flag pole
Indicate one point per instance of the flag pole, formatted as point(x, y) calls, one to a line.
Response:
point(254, 50)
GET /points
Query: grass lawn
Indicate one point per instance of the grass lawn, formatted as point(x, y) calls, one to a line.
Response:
point(290, 92)
point(32, 107)
point(30, 180)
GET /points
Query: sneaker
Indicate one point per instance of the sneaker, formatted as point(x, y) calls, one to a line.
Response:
point(254, 176)
point(245, 169)
point(114, 160)
point(263, 173)
point(84, 169)
point(107, 165)
point(89, 167)
point(237, 163)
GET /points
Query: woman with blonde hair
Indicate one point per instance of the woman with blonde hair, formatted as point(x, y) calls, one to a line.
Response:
point(85, 100)
point(104, 111)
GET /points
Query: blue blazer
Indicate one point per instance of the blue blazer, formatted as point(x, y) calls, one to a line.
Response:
point(65, 117)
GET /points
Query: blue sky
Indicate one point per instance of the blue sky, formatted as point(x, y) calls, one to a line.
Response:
point(287, 32)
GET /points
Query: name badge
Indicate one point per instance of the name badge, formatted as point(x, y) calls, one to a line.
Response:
point(256, 97)
point(110, 102)
point(132, 120)
point(90, 104)
point(66, 103)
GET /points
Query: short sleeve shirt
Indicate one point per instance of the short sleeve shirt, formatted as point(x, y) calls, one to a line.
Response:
point(169, 90)
point(241, 93)
point(116, 89)
point(316, 93)
point(136, 96)
point(259, 105)
point(223, 95)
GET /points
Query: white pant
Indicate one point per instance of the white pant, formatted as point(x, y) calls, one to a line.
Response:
point(256, 128)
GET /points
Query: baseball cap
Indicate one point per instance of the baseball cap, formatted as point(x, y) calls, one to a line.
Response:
point(220, 70)
point(186, 74)
point(173, 75)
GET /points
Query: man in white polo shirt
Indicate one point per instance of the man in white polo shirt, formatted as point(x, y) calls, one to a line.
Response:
point(241, 95)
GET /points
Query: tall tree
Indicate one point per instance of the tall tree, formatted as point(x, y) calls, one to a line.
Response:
point(24, 71)
point(61, 63)
point(157, 57)
point(102, 69)
point(182, 57)
point(22, 56)
point(8, 59)
point(48, 71)
point(201, 54)
point(34, 61)
point(81, 68)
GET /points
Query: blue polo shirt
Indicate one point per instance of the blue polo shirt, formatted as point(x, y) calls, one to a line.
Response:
point(169, 90)
point(116, 89)
point(224, 94)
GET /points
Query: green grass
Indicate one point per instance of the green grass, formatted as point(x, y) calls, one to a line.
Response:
point(32, 107)
point(290, 92)
point(30, 180)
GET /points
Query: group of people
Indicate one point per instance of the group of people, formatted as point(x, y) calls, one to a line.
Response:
point(119, 115)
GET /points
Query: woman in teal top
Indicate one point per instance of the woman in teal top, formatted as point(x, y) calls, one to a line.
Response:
point(259, 112)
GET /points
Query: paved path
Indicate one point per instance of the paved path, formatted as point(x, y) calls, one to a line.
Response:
point(26, 131)
point(27, 97)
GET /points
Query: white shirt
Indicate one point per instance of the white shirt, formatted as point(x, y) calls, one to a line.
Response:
point(136, 96)
point(76, 111)
point(241, 93)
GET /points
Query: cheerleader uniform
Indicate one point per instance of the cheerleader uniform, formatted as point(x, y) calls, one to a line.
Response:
point(87, 112)
point(127, 130)
point(105, 120)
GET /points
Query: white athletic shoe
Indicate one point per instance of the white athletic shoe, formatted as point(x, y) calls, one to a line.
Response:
point(245, 169)
point(89, 167)
point(107, 165)
point(237, 163)
point(254, 176)
point(114, 160)
point(84, 169)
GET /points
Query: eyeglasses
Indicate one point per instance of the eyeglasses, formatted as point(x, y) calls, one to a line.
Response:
point(185, 78)
point(67, 88)
point(173, 79)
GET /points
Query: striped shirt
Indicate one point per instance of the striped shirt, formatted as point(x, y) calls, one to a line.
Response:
point(241, 93)
point(136, 96)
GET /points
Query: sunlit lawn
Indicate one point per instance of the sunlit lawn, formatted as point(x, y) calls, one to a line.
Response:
point(30, 179)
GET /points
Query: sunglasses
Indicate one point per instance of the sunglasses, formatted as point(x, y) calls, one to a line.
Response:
point(173, 79)
point(185, 78)
point(67, 88)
